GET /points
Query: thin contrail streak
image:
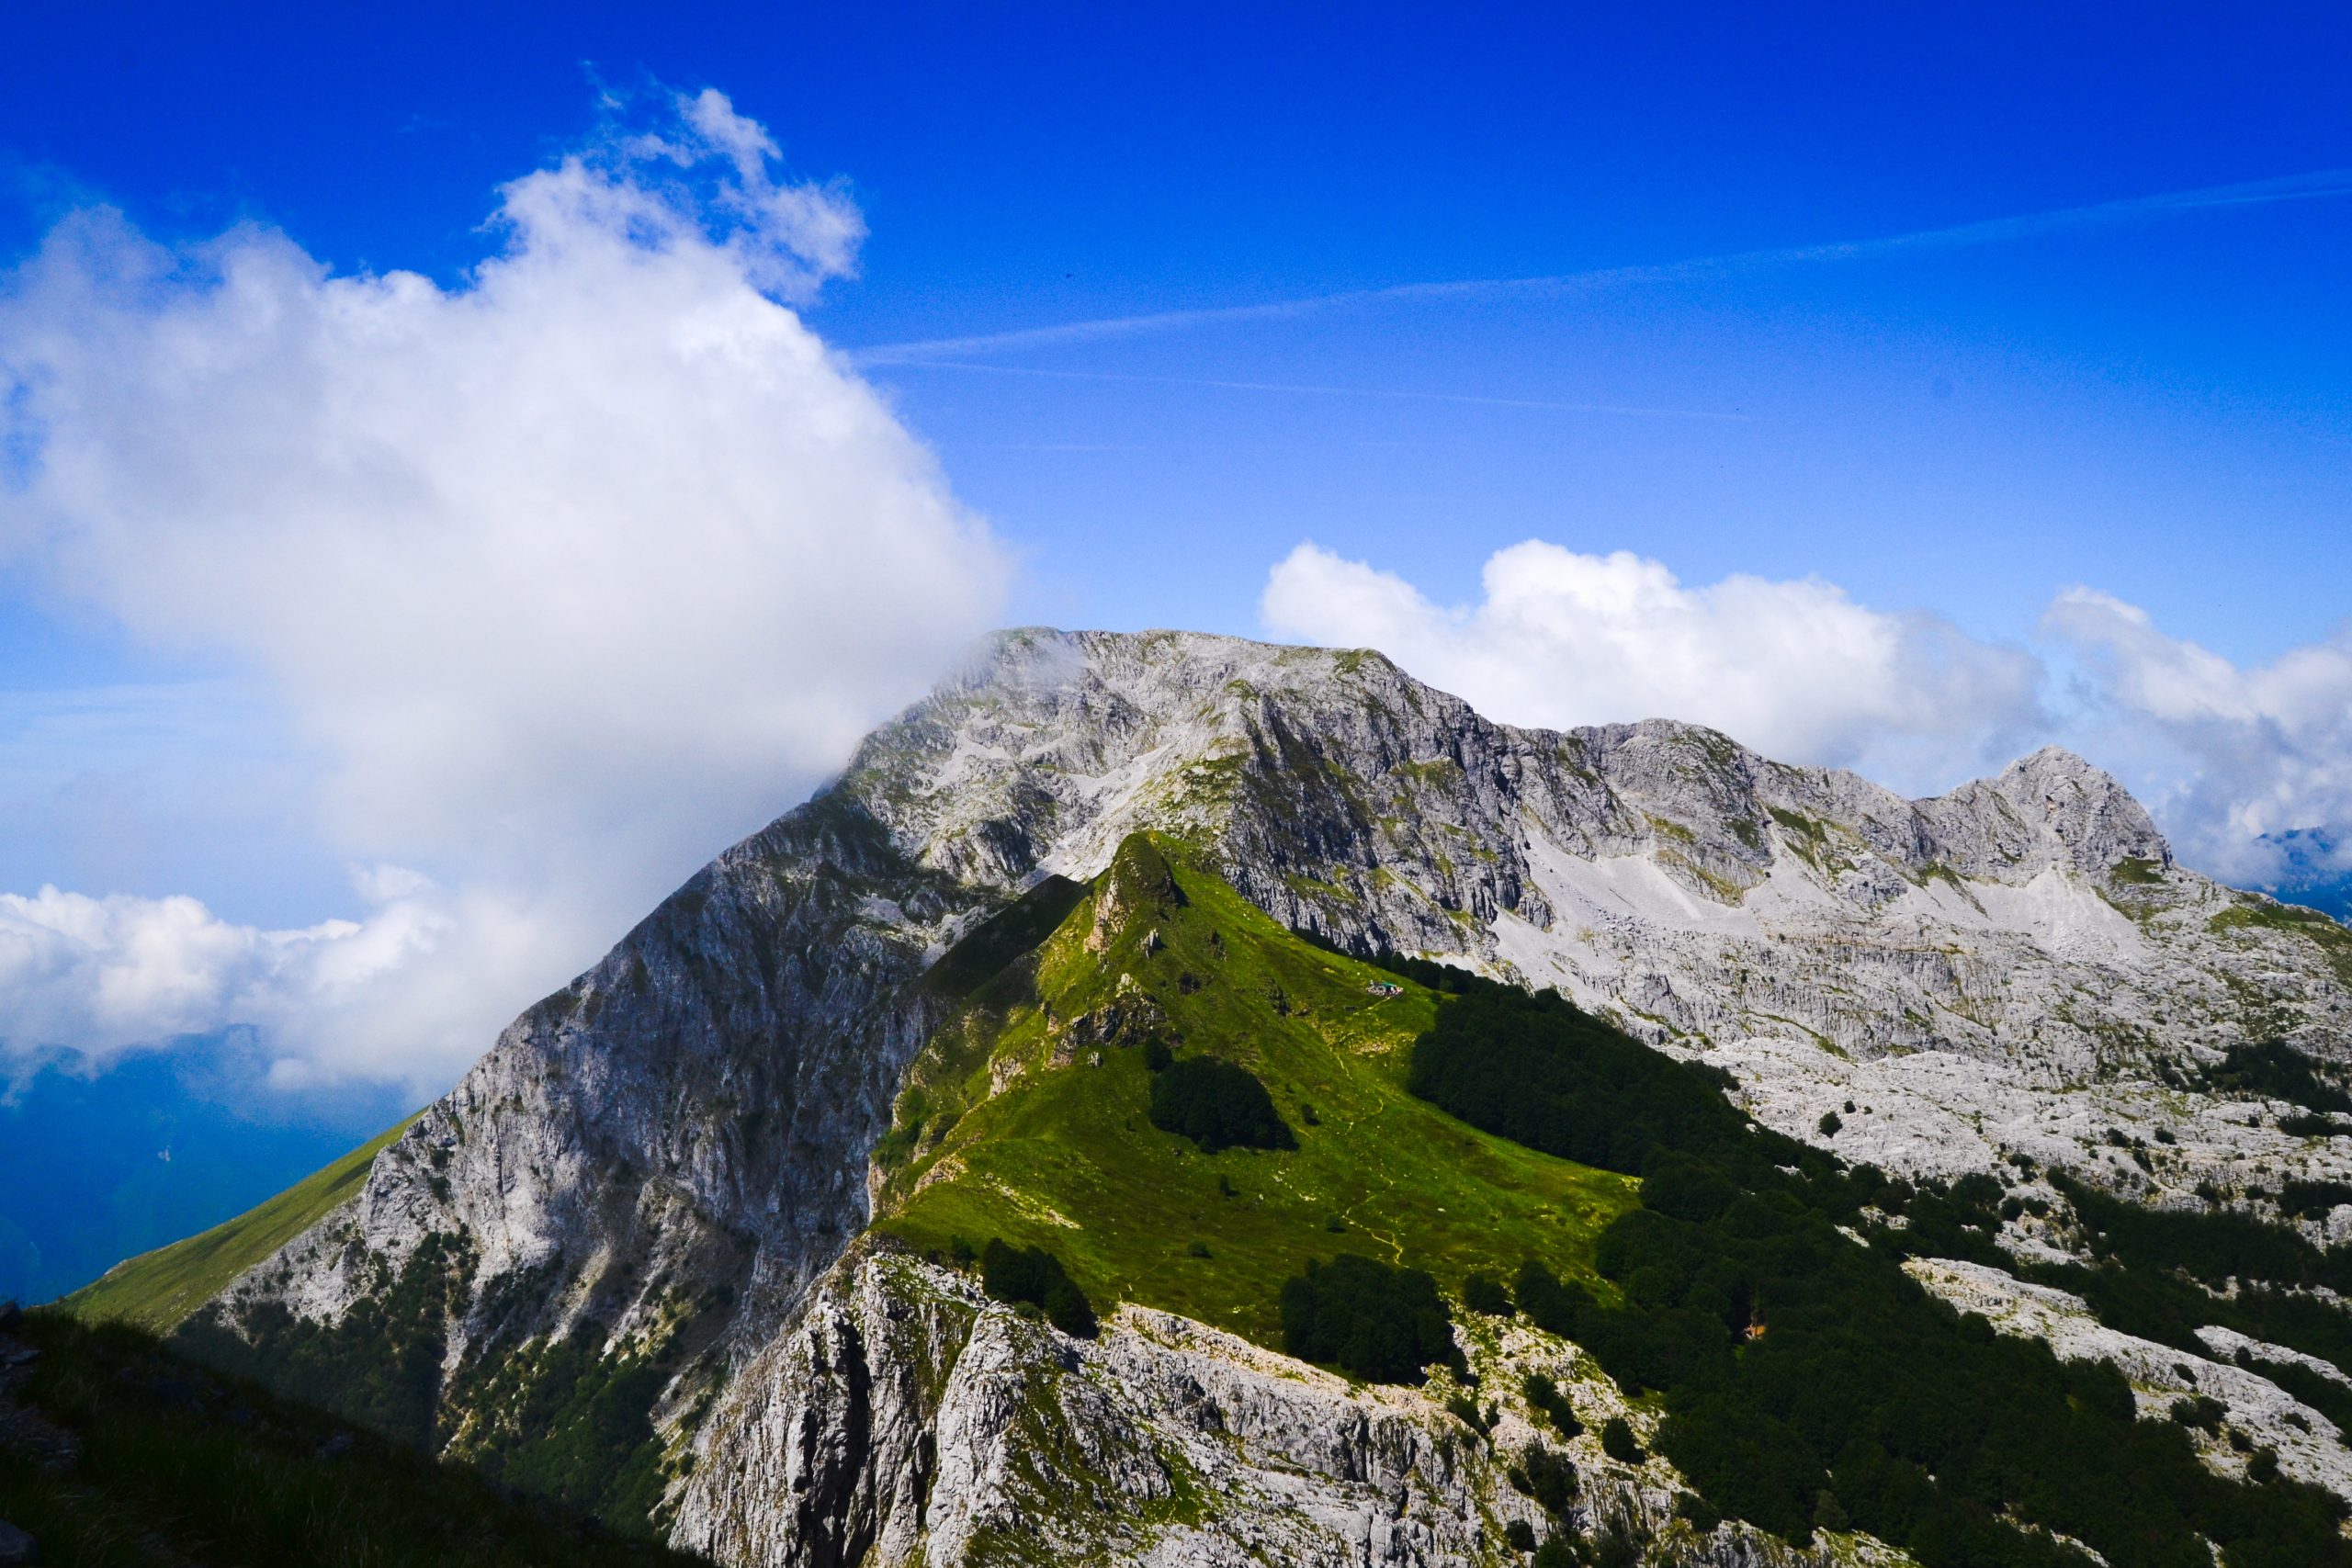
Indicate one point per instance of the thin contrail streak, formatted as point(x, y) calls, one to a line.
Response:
point(2317, 184)
point(1310, 389)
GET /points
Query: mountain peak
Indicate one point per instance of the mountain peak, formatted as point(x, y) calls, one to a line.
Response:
point(2085, 806)
point(675, 1149)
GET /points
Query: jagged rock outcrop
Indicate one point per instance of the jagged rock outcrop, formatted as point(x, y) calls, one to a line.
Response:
point(675, 1147)
point(909, 1420)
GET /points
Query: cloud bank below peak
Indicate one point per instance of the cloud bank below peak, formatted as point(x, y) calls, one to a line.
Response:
point(568, 572)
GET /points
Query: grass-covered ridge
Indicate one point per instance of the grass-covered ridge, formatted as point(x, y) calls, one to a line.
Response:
point(156, 1290)
point(1028, 1116)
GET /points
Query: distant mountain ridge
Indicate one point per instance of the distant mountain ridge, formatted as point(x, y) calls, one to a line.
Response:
point(665, 1165)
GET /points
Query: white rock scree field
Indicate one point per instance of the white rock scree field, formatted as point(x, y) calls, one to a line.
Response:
point(1183, 1101)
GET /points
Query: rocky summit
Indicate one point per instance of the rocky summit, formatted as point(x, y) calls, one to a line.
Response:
point(935, 1177)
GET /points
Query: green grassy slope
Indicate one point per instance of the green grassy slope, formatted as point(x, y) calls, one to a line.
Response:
point(158, 1463)
point(1064, 1155)
point(156, 1290)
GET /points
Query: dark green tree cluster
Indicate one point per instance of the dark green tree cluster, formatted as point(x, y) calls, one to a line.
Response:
point(2164, 1274)
point(1808, 1382)
point(2276, 1070)
point(1543, 1394)
point(1547, 1477)
point(2314, 1200)
point(1590, 1094)
point(1033, 1276)
point(1550, 1481)
point(2214, 1246)
point(1218, 1105)
point(1617, 1440)
point(1371, 1321)
point(1484, 1293)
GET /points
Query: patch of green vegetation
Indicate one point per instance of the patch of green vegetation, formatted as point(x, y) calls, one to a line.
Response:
point(2314, 1200)
point(563, 1420)
point(1317, 889)
point(1723, 887)
point(1804, 829)
point(1218, 1105)
point(1937, 871)
point(1541, 1071)
point(1552, 1481)
point(1031, 1275)
point(1483, 1293)
point(1442, 773)
point(156, 1290)
point(2164, 1273)
point(178, 1465)
point(2135, 870)
point(1371, 1321)
point(986, 949)
point(1545, 1396)
point(1665, 828)
point(1812, 840)
point(1212, 778)
point(1050, 1150)
point(2333, 940)
point(2276, 1070)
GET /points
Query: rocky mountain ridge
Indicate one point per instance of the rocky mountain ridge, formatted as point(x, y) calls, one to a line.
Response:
point(671, 1153)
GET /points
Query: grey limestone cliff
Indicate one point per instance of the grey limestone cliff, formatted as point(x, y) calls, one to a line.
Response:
point(909, 1420)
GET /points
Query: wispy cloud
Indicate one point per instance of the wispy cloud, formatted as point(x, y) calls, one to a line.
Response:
point(2317, 184)
point(1309, 390)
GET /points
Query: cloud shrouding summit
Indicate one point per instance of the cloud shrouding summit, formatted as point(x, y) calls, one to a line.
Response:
point(569, 572)
point(1796, 668)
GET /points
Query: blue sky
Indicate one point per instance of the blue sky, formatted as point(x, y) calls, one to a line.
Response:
point(2157, 407)
point(325, 668)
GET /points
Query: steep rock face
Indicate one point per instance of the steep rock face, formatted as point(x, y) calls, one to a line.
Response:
point(904, 1419)
point(675, 1145)
point(690, 1117)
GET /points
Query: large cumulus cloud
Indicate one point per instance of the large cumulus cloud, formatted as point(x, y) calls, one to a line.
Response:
point(569, 569)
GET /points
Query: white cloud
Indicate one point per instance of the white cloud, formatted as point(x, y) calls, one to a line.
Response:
point(1795, 669)
point(571, 570)
point(101, 975)
point(2259, 753)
